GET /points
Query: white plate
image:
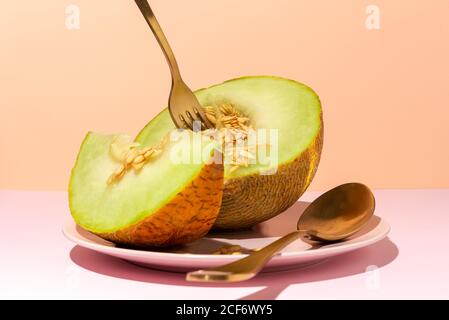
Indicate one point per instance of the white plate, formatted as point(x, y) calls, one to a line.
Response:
point(197, 255)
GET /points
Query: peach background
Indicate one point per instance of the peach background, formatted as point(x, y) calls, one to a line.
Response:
point(385, 93)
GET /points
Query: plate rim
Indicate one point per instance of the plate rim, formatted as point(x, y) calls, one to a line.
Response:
point(70, 224)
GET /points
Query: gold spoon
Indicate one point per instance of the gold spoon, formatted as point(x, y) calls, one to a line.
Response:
point(334, 216)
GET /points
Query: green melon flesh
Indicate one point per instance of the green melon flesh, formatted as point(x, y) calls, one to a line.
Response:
point(103, 208)
point(270, 102)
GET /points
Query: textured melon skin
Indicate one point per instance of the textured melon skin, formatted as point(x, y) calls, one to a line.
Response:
point(186, 218)
point(252, 199)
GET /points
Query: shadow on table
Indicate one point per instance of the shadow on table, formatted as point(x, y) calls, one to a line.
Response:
point(352, 263)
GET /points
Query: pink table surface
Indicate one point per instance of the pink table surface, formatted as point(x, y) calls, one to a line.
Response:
point(38, 262)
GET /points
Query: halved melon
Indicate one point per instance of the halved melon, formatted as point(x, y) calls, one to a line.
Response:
point(257, 192)
point(158, 202)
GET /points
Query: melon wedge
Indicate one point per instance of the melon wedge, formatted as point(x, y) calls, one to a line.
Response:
point(292, 109)
point(164, 203)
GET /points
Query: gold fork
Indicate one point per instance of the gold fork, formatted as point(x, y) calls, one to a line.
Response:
point(185, 110)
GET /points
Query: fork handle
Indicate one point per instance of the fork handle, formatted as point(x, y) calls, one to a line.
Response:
point(149, 16)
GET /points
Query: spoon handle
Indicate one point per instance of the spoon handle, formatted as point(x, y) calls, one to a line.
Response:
point(248, 267)
point(160, 37)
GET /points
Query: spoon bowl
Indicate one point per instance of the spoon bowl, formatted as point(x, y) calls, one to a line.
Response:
point(338, 213)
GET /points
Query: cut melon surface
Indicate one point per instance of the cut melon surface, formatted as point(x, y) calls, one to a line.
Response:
point(293, 111)
point(163, 203)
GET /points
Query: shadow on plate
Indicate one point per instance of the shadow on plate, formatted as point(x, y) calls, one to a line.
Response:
point(352, 263)
point(275, 227)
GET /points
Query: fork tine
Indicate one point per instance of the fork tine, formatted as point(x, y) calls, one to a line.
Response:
point(205, 123)
point(186, 124)
point(197, 125)
point(194, 120)
point(198, 122)
point(190, 117)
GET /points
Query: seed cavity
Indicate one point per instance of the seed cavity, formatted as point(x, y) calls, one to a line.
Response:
point(234, 128)
point(131, 156)
point(233, 249)
point(229, 249)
